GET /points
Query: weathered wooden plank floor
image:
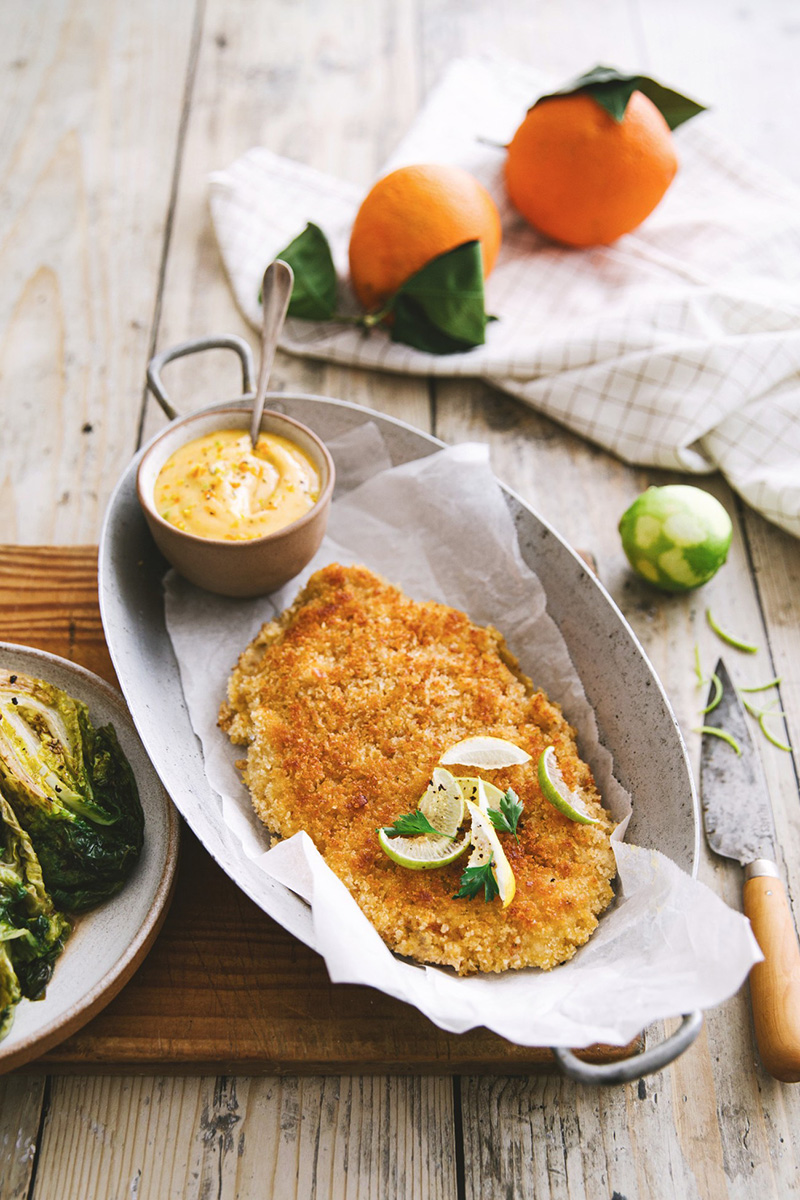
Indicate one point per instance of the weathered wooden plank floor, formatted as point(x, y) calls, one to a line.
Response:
point(113, 115)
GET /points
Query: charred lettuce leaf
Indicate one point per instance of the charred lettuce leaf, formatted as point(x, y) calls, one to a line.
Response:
point(72, 790)
point(32, 932)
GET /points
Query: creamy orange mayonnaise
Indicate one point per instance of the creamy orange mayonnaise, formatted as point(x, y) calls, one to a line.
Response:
point(218, 486)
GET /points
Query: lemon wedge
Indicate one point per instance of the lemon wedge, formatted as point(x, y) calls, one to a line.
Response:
point(491, 753)
point(442, 802)
point(480, 791)
point(487, 848)
point(551, 781)
point(422, 853)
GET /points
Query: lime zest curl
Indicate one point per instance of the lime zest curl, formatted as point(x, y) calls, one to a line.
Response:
point(770, 736)
point(717, 682)
point(748, 647)
point(715, 731)
point(763, 687)
point(768, 710)
point(761, 714)
point(758, 714)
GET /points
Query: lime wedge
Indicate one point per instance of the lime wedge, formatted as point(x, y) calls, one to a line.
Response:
point(551, 781)
point(442, 802)
point(491, 753)
point(487, 848)
point(480, 792)
point(422, 853)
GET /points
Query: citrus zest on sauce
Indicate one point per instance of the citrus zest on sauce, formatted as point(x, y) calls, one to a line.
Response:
point(218, 486)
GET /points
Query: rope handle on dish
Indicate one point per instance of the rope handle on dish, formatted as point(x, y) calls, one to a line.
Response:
point(229, 341)
point(654, 1059)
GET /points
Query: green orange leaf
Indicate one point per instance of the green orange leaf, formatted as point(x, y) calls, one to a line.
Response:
point(613, 89)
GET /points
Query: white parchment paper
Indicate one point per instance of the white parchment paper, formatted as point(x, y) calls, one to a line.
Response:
point(440, 529)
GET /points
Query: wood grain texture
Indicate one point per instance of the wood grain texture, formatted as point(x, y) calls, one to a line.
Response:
point(775, 982)
point(87, 144)
point(92, 105)
point(20, 1116)
point(272, 79)
point(173, 1139)
point(48, 599)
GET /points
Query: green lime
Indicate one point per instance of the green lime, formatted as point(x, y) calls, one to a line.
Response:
point(551, 781)
point(676, 537)
point(422, 852)
point(442, 802)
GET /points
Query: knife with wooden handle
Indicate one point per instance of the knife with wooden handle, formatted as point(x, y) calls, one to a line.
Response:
point(737, 815)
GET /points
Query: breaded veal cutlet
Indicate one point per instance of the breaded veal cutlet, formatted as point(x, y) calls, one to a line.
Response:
point(347, 702)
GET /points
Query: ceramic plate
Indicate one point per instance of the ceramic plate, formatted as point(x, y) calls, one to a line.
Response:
point(108, 943)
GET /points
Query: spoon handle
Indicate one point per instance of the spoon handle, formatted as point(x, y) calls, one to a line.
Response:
point(275, 295)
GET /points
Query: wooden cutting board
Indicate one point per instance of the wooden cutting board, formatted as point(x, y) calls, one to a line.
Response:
point(225, 989)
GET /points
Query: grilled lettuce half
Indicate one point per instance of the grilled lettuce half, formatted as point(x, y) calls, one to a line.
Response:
point(32, 932)
point(71, 789)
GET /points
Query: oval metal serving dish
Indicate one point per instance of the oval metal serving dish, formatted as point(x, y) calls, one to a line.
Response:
point(633, 714)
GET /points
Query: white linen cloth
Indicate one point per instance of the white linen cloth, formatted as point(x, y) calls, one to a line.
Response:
point(677, 347)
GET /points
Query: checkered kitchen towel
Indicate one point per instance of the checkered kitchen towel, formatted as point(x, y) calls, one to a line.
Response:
point(677, 347)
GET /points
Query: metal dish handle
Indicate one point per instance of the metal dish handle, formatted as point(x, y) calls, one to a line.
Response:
point(629, 1069)
point(228, 341)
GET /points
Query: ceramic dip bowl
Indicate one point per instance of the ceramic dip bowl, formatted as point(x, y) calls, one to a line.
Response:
point(250, 567)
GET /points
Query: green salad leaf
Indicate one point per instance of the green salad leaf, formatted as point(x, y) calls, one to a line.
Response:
point(613, 89)
point(72, 790)
point(32, 932)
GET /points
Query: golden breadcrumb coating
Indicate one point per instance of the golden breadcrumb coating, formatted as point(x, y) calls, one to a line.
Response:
point(346, 704)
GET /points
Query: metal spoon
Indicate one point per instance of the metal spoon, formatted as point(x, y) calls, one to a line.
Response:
point(275, 295)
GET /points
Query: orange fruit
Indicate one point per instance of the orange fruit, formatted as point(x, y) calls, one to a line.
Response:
point(413, 215)
point(583, 178)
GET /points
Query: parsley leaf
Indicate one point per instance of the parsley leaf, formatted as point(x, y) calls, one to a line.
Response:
point(475, 878)
point(410, 824)
point(507, 819)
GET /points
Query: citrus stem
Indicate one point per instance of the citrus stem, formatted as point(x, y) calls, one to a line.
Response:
point(361, 320)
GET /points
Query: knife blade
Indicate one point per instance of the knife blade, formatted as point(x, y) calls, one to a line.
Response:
point(738, 822)
point(737, 812)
